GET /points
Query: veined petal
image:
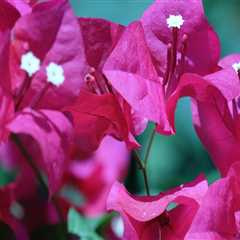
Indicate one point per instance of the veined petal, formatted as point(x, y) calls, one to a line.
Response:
point(52, 132)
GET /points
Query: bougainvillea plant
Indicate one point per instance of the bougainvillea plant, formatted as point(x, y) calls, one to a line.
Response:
point(74, 95)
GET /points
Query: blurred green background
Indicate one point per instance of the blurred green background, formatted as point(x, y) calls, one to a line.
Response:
point(179, 158)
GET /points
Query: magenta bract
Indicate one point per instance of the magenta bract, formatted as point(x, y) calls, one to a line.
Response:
point(52, 132)
point(149, 217)
point(217, 217)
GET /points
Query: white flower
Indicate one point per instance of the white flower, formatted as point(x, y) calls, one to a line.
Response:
point(175, 21)
point(55, 74)
point(30, 63)
point(236, 66)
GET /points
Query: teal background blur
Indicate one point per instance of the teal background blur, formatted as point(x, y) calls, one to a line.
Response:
point(179, 158)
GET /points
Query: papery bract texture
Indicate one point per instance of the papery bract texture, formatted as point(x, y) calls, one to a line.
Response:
point(217, 217)
point(96, 116)
point(148, 217)
point(131, 72)
point(23, 6)
point(100, 37)
point(6, 101)
point(52, 132)
point(215, 120)
point(203, 46)
point(46, 31)
point(5, 82)
point(8, 16)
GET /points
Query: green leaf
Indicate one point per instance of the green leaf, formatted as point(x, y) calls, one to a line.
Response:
point(80, 226)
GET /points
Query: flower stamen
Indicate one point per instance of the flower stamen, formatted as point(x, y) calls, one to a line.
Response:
point(97, 82)
point(183, 54)
point(173, 61)
point(91, 83)
point(169, 54)
point(174, 51)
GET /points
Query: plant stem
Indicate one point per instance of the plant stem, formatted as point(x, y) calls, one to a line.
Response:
point(145, 177)
point(142, 165)
point(149, 146)
point(139, 161)
point(143, 169)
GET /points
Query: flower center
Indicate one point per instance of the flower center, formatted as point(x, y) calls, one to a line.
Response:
point(170, 80)
point(175, 21)
point(97, 82)
point(30, 63)
point(55, 74)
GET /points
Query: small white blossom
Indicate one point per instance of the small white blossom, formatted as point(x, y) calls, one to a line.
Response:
point(55, 74)
point(175, 21)
point(30, 63)
point(236, 66)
